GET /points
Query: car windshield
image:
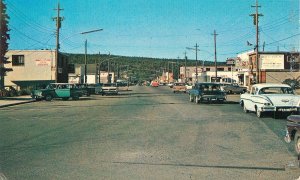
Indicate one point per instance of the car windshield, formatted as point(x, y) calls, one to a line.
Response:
point(276, 90)
point(209, 87)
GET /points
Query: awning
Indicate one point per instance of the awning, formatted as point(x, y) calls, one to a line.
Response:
point(32, 83)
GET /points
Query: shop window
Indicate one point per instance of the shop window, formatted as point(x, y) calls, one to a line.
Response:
point(18, 60)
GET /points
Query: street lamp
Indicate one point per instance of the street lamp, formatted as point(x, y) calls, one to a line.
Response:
point(108, 67)
point(85, 54)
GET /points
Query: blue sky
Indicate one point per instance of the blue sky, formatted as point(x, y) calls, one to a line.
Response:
point(154, 28)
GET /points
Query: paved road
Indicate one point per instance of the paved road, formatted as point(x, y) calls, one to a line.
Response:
point(147, 133)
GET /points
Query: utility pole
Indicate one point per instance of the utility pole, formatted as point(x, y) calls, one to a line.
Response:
point(85, 61)
point(185, 60)
point(255, 21)
point(196, 62)
point(215, 41)
point(58, 20)
point(196, 49)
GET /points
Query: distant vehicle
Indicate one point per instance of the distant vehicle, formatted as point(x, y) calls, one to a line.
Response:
point(207, 92)
point(122, 86)
point(110, 88)
point(293, 131)
point(294, 83)
point(274, 98)
point(170, 85)
point(179, 87)
point(234, 89)
point(58, 90)
point(94, 88)
point(154, 84)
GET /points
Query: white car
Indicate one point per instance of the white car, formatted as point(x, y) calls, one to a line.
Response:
point(270, 98)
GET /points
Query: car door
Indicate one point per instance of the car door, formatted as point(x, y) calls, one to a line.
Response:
point(250, 99)
point(62, 90)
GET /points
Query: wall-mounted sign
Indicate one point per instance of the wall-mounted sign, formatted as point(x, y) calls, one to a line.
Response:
point(271, 61)
point(43, 62)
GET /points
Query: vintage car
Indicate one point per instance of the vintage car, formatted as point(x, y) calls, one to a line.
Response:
point(179, 87)
point(234, 88)
point(154, 84)
point(123, 86)
point(58, 90)
point(207, 92)
point(110, 89)
point(293, 131)
point(89, 89)
point(274, 98)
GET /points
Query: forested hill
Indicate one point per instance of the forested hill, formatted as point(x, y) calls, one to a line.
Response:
point(141, 67)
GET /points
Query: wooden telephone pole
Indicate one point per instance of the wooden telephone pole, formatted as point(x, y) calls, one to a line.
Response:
point(255, 22)
point(215, 42)
point(58, 20)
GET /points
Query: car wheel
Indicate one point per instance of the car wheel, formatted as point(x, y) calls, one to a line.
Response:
point(297, 143)
point(258, 113)
point(75, 97)
point(38, 99)
point(65, 98)
point(191, 98)
point(230, 92)
point(221, 101)
point(48, 97)
point(245, 109)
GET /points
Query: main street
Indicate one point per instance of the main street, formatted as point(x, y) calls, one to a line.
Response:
point(146, 133)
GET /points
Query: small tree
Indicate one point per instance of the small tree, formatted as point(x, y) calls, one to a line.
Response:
point(4, 37)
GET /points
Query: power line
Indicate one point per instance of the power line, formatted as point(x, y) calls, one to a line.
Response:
point(23, 17)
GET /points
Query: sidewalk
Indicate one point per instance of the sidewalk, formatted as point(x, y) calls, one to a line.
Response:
point(11, 101)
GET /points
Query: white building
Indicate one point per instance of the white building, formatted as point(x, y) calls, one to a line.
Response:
point(35, 68)
point(208, 73)
point(77, 74)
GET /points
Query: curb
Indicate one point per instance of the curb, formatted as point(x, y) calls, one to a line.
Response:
point(18, 103)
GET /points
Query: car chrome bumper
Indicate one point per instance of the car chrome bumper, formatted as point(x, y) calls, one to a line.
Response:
point(287, 137)
point(279, 109)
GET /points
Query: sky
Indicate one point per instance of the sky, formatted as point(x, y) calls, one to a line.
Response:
point(155, 28)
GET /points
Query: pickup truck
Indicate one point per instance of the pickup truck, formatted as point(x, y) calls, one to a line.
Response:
point(207, 92)
point(57, 90)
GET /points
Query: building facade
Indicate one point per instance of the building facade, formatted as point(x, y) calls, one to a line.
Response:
point(208, 74)
point(32, 68)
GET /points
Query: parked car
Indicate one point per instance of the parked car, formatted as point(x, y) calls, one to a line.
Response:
point(207, 92)
point(274, 98)
point(179, 87)
point(57, 90)
point(110, 88)
point(234, 88)
point(188, 87)
point(154, 84)
point(94, 88)
point(170, 85)
point(123, 86)
point(293, 131)
point(85, 90)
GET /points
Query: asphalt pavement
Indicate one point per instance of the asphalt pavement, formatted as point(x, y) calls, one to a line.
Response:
point(147, 133)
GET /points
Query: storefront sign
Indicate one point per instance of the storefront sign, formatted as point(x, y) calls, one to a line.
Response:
point(272, 61)
point(43, 62)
